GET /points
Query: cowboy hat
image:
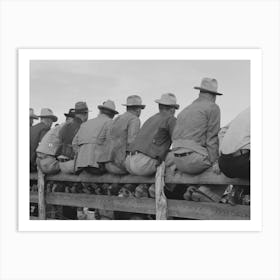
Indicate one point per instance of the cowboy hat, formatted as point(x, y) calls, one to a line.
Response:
point(209, 85)
point(168, 99)
point(109, 105)
point(81, 107)
point(71, 113)
point(135, 101)
point(32, 115)
point(48, 113)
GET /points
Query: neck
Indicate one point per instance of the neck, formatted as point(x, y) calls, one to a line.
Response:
point(207, 96)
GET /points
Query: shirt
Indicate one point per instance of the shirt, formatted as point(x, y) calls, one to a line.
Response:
point(197, 128)
point(123, 132)
point(236, 135)
point(67, 134)
point(37, 132)
point(154, 137)
point(89, 142)
point(51, 142)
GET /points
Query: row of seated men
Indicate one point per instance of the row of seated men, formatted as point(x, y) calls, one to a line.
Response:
point(119, 145)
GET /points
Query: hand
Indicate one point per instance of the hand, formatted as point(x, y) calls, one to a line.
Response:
point(216, 168)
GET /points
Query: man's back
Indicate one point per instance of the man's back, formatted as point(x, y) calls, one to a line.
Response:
point(154, 137)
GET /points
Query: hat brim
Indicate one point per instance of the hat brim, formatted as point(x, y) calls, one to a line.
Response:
point(69, 115)
point(54, 118)
point(103, 107)
point(209, 91)
point(176, 106)
point(129, 105)
point(34, 117)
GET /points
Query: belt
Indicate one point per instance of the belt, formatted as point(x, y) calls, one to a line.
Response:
point(132, 153)
point(183, 154)
point(239, 153)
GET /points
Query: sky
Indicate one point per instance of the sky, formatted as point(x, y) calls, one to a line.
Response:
point(58, 85)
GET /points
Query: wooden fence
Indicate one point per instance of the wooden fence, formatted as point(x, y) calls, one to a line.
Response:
point(160, 206)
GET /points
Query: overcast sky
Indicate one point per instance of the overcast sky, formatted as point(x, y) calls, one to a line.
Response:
point(60, 84)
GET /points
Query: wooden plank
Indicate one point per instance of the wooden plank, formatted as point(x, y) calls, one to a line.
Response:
point(207, 177)
point(41, 195)
point(161, 201)
point(106, 178)
point(176, 208)
point(207, 211)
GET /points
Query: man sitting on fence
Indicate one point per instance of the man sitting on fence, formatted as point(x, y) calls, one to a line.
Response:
point(123, 132)
point(50, 148)
point(195, 137)
point(234, 161)
point(67, 133)
point(37, 132)
point(89, 142)
point(153, 140)
point(32, 117)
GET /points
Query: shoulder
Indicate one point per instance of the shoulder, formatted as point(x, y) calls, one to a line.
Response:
point(214, 107)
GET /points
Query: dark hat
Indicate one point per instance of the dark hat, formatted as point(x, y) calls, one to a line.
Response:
point(81, 107)
point(71, 113)
point(209, 85)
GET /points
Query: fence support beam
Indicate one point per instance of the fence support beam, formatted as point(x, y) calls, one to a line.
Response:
point(41, 195)
point(161, 201)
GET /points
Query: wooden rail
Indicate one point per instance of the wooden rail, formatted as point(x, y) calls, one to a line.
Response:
point(160, 206)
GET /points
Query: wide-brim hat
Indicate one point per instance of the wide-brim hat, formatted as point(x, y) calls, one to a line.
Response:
point(209, 85)
point(48, 113)
point(168, 99)
point(108, 105)
point(134, 101)
point(81, 107)
point(32, 115)
point(70, 114)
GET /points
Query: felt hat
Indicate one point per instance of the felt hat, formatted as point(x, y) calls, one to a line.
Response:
point(209, 85)
point(135, 101)
point(71, 113)
point(109, 105)
point(32, 115)
point(81, 107)
point(48, 113)
point(168, 99)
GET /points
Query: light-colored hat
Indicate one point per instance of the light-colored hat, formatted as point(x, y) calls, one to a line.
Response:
point(209, 85)
point(48, 113)
point(32, 115)
point(135, 101)
point(81, 107)
point(168, 99)
point(109, 105)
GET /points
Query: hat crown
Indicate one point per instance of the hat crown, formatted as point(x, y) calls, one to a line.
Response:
point(81, 106)
point(46, 112)
point(167, 99)
point(109, 104)
point(209, 84)
point(133, 100)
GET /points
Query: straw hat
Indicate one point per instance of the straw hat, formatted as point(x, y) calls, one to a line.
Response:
point(109, 105)
point(32, 115)
point(209, 85)
point(135, 101)
point(168, 99)
point(48, 113)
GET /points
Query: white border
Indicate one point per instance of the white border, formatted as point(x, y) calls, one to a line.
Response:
point(24, 57)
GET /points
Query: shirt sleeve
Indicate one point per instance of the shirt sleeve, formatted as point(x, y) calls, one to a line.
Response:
point(171, 125)
point(42, 134)
point(212, 141)
point(133, 129)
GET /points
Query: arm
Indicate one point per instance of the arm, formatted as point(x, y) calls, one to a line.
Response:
point(212, 142)
point(171, 125)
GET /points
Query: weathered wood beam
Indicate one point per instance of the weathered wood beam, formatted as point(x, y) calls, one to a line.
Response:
point(176, 208)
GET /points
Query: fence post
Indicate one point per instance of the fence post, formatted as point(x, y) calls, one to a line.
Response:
point(41, 195)
point(161, 202)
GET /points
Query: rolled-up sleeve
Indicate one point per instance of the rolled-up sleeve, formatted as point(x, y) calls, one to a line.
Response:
point(212, 141)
